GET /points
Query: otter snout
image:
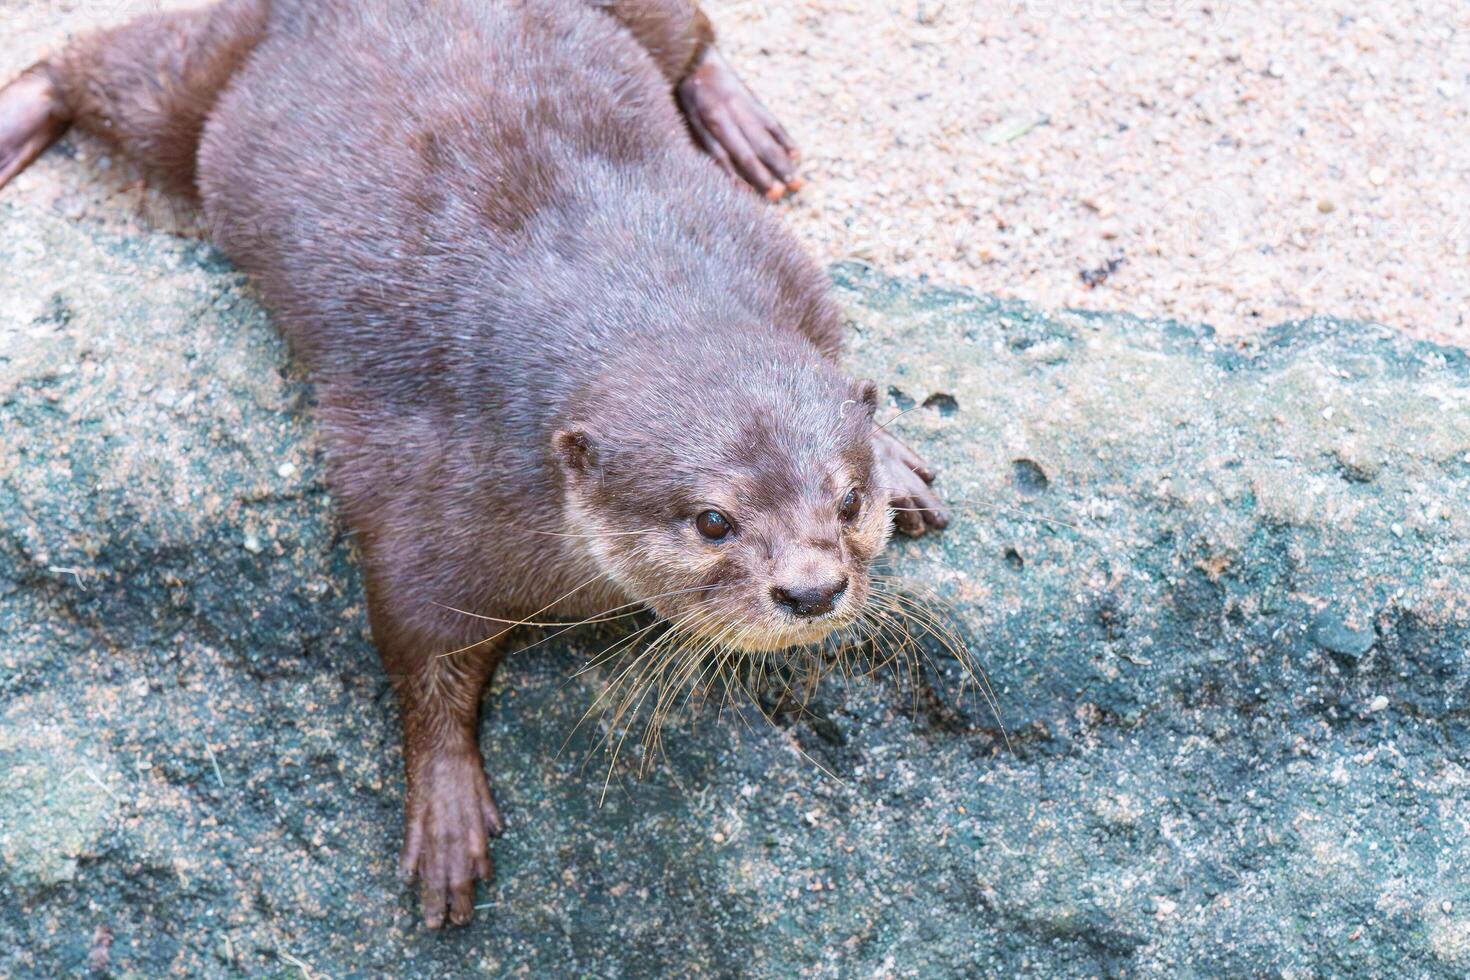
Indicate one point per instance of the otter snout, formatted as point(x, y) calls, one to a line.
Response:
point(809, 601)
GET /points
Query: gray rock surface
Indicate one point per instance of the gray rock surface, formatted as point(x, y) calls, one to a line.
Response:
point(1222, 592)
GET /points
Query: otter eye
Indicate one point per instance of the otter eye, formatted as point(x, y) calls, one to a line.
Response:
point(713, 525)
point(852, 505)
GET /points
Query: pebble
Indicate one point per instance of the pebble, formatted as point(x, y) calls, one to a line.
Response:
point(1333, 633)
point(1377, 704)
point(1378, 176)
point(252, 544)
point(286, 470)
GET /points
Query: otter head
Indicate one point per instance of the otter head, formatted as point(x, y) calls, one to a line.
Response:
point(740, 504)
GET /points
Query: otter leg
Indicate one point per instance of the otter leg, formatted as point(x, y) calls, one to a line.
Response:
point(32, 117)
point(450, 813)
point(146, 87)
point(726, 119)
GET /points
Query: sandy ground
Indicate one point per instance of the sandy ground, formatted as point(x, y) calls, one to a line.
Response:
point(1249, 161)
point(1237, 162)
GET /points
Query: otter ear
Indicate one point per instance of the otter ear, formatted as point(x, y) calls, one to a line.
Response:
point(865, 393)
point(576, 451)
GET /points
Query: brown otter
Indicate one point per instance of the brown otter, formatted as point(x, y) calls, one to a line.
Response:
point(563, 364)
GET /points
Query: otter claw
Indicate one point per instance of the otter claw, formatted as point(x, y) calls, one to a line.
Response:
point(734, 128)
point(916, 507)
point(450, 818)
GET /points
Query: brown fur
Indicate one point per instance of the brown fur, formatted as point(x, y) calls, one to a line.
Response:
point(529, 304)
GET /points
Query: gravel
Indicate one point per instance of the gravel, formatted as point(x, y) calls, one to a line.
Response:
point(1250, 162)
point(1247, 162)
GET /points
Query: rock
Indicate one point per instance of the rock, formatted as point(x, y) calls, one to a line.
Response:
point(1334, 634)
point(1187, 780)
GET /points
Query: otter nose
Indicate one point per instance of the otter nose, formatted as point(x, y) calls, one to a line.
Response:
point(809, 601)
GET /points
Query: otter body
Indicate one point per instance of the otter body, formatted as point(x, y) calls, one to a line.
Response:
point(564, 363)
point(506, 206)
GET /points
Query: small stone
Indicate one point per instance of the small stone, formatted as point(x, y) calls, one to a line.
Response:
point(1378, 176)
point(1328, 412)
point(1275, 70)
point(1326, 206)
point(1335, 634)
point(718, 837)
point(286, 470)
point(1357, 462)
point(1397, 530)
point(1446, 907)
point(1377, 704)
point(252, 544)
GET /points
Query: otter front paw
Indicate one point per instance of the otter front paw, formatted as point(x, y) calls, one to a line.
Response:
point(734, 128)
point(907, 478)
point(32, 117)
point(449, 820)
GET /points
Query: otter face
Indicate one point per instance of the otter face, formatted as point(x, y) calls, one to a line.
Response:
point(756, 536)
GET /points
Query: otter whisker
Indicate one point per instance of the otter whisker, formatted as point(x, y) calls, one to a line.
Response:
point(902, 655)
point(639, 603)
point(600, 659)
point(880, 426)
point(581, 622)
point(918, 605)
point(665, 676)
point(638, 680)
point(617, 750)
point(721, 649)
point(598, 535)
point(613, 686)
point(992, 509)
point(689, 669)
point(538, 612)
point(631, 639)
point(680, 667)
point(513, 623)
point(956, 647)
point(983, 505)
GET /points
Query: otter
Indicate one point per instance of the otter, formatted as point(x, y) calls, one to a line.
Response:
point(564, 363)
